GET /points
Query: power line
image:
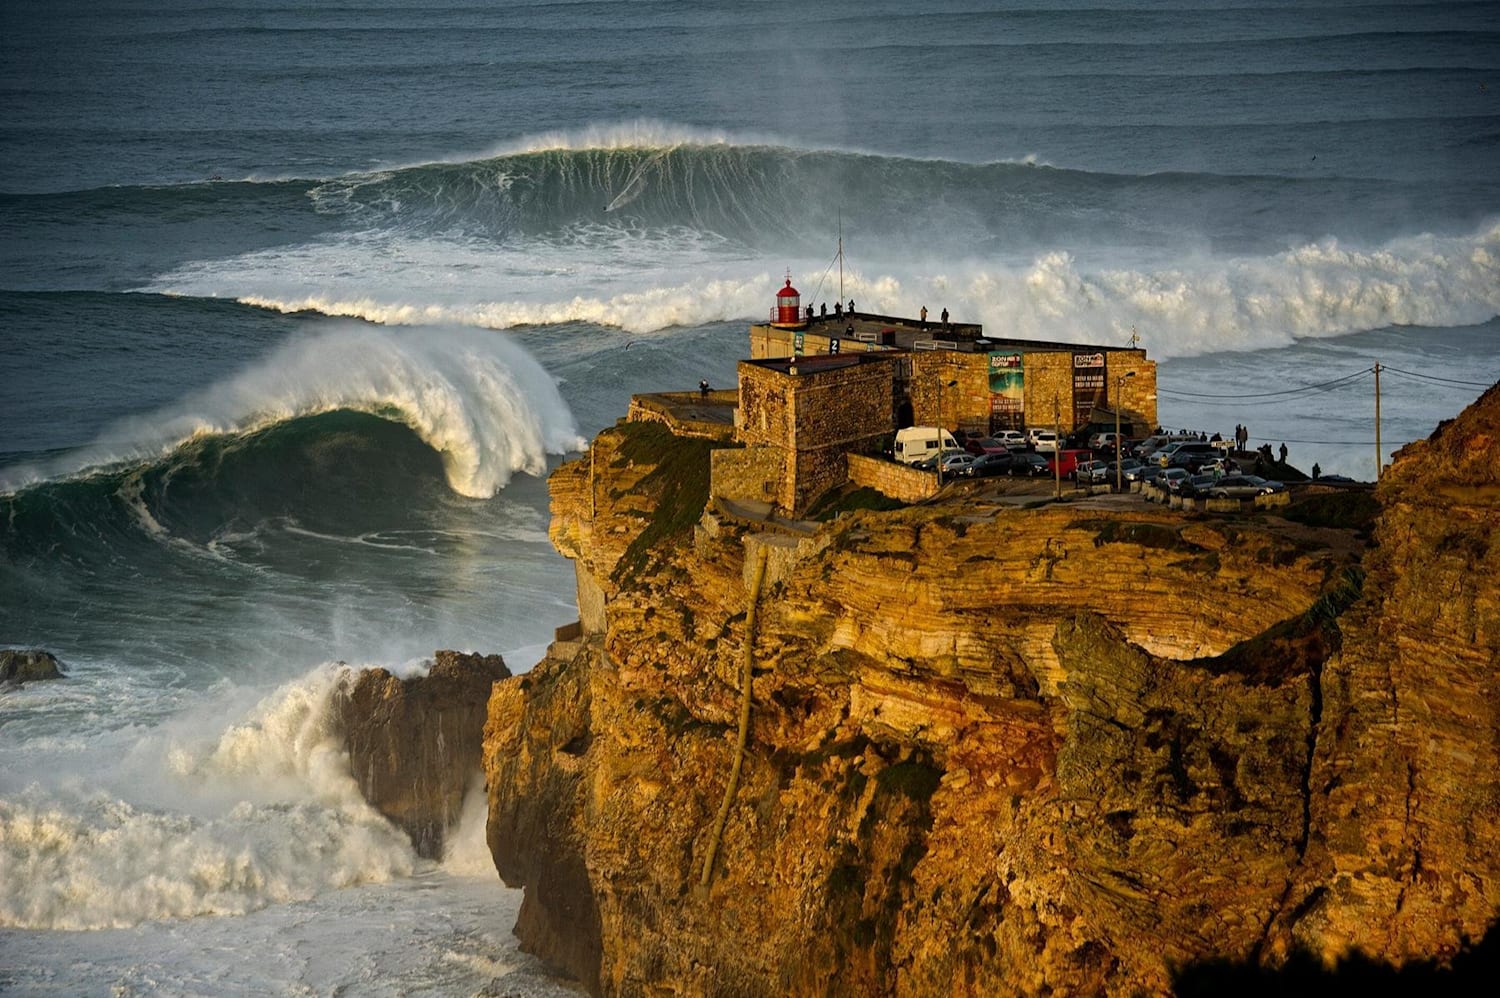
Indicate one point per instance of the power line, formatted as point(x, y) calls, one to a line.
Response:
point(1240, 401)
point(1433, 377)
point(1323, 386)
point(1330, 443)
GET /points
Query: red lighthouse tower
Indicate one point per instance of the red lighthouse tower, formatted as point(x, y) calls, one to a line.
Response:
point(788, 311)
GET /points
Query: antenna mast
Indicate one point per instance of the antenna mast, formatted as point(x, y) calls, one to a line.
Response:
point(841, 254)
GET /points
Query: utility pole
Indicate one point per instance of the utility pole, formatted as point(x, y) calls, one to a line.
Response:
point(1119, 395)
point(942, 451)
point(1379, 454)
point(1057, 448)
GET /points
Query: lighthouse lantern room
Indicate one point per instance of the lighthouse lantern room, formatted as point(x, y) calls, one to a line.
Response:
point(788, 311)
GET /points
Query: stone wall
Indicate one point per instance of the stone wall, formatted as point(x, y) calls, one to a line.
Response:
point(815, 417)
point(676, 410)
point(897, 481)
point(1049, 390)
point(754, 473)
point(964, 401)
point(767, 342)
point(765, 412)
point(936, 402)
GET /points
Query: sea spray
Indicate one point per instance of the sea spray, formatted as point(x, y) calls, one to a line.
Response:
point(467, 853)
point(266, 812)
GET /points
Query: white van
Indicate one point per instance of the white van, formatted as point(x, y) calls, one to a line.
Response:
point(918, 443)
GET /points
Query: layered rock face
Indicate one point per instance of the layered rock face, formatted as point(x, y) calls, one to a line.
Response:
point(1406, 801)
point(414, 743)
point(1000, 751)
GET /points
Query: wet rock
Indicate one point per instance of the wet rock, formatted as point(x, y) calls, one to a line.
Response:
point(414, 744)
point(25, 665)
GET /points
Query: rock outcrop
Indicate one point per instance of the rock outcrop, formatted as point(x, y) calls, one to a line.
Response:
point(1405, 862)
point(1001, 751)
point(27, 665)
point(414, 744)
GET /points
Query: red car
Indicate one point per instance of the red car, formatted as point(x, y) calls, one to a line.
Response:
point(985, 445)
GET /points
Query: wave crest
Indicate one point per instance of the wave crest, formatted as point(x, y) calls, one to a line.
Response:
point(480, 401)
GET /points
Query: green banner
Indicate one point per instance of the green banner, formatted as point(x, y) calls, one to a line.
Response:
point(1007, 391)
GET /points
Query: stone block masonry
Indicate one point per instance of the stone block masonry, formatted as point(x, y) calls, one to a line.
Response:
point(748, 473)
point(897, 481)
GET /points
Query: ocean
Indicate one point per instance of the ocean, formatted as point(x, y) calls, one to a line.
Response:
point(299, 303)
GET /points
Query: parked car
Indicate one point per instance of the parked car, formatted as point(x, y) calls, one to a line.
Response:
point(1216, 464)
point(1029, 464)
point(1171, 479)
point(1013, 439)
point(1089, 472)
point(1127, 465)
point(957, 464)
point(1196, 485)
point(1044, 441)
point(930, 463)
point(1239, 487)
point(989, 464)
point(1155, 443)
point(985, 445)
point(1143, 473)
point(1181, 453)
point(1190, 456)
point(1106, 441)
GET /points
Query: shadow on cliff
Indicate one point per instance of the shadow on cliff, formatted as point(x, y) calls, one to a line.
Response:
point(1474, 971)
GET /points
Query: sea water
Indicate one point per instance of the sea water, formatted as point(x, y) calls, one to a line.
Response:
point(300, 303)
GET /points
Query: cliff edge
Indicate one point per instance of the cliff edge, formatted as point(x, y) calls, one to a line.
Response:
point(1003, 751)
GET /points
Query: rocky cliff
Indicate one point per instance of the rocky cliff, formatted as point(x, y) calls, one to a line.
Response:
point(414, 743)
point(995, 750)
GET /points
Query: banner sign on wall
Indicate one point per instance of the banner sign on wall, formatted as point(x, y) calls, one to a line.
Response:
point(1007, 392)
point(1088, 386)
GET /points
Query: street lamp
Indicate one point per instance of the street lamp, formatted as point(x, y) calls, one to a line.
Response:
point(1119, 394)
point(941, 455)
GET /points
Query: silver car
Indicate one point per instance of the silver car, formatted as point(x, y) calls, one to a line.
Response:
point(1243, 487)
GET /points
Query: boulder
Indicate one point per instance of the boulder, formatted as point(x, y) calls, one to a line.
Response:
point(24, 665)
point(414, 744)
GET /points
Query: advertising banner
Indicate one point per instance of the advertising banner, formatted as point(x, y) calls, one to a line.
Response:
point(1007, 392)
point(1088, 386)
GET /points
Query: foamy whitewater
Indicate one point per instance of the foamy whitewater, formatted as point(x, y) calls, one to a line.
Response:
point(298, 307)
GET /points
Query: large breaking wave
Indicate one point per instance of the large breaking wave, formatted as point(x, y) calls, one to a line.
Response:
point(479, 401)
point(648, 227)
point(257, 812)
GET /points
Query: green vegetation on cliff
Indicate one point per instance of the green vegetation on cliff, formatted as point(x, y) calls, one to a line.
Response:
point(678, 485)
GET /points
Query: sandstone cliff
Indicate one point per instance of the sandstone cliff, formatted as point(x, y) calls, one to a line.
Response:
point(414, 743)
point(999, 751)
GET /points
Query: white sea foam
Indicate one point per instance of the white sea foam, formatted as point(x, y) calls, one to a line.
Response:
point(466, 851)
point(1203, 306)
point(642, 285)
point(478, 399)
point(262, 812)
